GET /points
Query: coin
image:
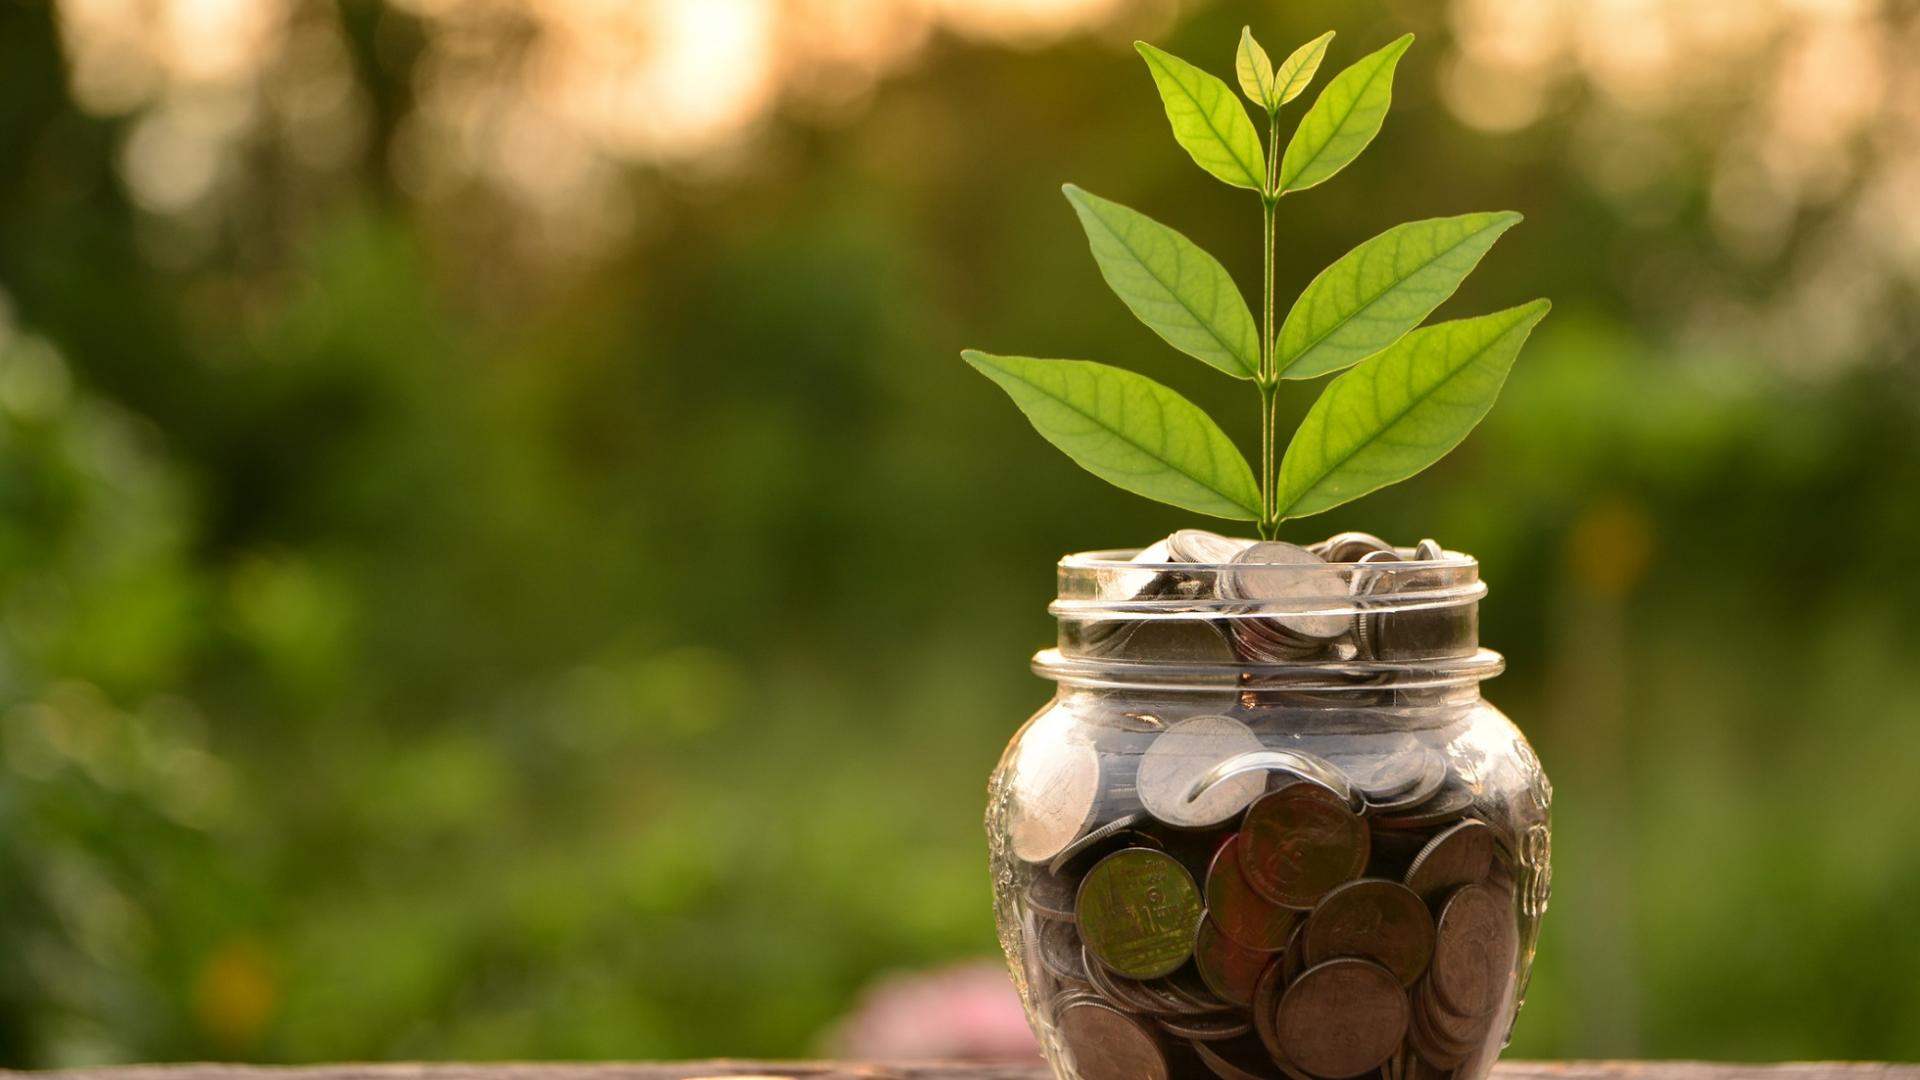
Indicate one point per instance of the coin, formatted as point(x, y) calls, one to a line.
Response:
point(1366, 583)
point(1431, 776)
point(1055, 782)
point(1172, 769)
point(1210, 1028)
point(1457, 1034)
point(1460, 855)
point(1157, 552)
point(1474, 949)
point(1428, 551)
point(1094, 839)
point(1273, 572)
point(1381, 769)
point(1342, 1018)
point(1154, 997)
point(1349, 546)
point(1201, 546)
point(1050, 895)
point(1243, 915)
point(1297, 843)
point(1449, 803)
point(1376, 920)
point(1266, 1009)
point(1163, 641)
point(1236, 1059)
point(1230, 970)
point(1294, 960)
point(1106, 1044)
point(1428, 1045)
point(1059, 947)
point(1138, 909)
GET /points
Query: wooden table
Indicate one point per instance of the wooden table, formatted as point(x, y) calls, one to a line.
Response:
point(827, 1070)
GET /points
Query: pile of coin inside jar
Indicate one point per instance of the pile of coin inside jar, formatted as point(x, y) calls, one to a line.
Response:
point(1252, 911)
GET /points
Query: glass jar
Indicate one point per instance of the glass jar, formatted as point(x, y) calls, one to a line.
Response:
point(1267, 827)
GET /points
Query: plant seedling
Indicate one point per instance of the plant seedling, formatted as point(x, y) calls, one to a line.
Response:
point(1408, 394)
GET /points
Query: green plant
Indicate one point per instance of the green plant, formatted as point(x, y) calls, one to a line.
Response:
point(1408, 395)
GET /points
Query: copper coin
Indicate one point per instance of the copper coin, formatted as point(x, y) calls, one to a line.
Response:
point(1155, 997)
point(1376, 920)
point(1138, 909)
point(1294, 960)
point(1342, 1018)
point(1212, 1027)
point(1266, 1009)
point(1475, 942)
point(1461, 855)
point(1297, 843)
point(1237, 1059)
point(1187, 986)
point(1103, 1043)
point(1457, 1033)
point(1230, 970)
point(1428, 1044)
point(1249, 919)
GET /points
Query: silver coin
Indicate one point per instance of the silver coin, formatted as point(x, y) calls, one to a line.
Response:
point(1201, 546)
point(1432, 773)
point(1289, 764)
point(1093, 839)
point(1382, 768)
point(1156, 552)
point(1429, 551)
point(1055, 784)
point(1165, 641)
point(1172, 768)
point(1272, 571)
point(1448, 803)
point(1366, 623)
point(1349, 546)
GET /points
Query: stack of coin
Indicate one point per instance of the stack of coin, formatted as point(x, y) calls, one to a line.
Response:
point(1265, 913)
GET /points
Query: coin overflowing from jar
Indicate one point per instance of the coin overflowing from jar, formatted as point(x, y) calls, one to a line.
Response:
point(1350, 616)
point(1217, 895)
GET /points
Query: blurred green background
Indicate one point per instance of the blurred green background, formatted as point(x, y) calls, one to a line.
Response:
point(499, 556)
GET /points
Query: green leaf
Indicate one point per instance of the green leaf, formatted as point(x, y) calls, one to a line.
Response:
point(1297, 71)
point(1343, 120)
point(1380, 290)
point(1402, 410)
point(1207, 120)
point(1129, 431)
point(1255, 69)
point(1172, 285)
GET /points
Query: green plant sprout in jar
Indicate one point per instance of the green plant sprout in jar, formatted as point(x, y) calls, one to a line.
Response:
point(1267, 828)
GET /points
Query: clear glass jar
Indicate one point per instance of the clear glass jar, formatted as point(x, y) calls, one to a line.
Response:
point(1267, 827)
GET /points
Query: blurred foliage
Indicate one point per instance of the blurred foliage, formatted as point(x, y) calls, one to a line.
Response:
point(412, 648)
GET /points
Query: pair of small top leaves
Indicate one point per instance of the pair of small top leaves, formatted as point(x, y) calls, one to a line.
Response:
point(1412, 397)
point(1211, 126)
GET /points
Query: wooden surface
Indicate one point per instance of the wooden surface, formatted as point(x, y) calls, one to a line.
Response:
point(818, 1070)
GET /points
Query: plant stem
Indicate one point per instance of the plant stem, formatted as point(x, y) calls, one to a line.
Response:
point(1269, 378)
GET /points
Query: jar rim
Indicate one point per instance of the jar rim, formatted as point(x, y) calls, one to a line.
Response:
point(1122, 558)
point(1344, 677)
point(1284, 617)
